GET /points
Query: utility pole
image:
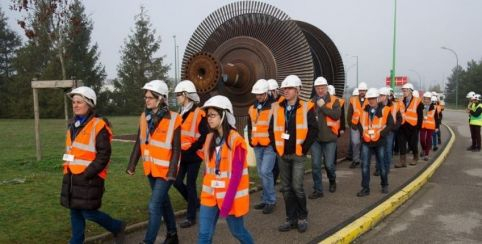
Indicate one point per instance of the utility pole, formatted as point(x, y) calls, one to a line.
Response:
point(175, 60)
point(392, 72)
point(456, 76)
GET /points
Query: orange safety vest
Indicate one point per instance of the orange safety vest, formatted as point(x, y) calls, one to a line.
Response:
point(213, 193)
point(190, 129)
point(259, 126)
point(357, 108)
point(330, 122)
point(429, 120)
point(156, 149)
point(83, 147)
point(409, 114)
point(394, 109)
point(372, 128)
point(301, 126)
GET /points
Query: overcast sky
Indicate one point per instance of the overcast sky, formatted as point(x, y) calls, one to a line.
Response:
point(358, 28)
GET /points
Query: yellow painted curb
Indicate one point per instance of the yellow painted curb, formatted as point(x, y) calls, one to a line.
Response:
point(370, 219)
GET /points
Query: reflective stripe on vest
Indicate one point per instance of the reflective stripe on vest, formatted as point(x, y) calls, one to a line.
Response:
point(372, 128)
point(260, 125)
point(429, 120)
point(190, 128)
point(156, 152)
point(409, 114)
point(330, 122)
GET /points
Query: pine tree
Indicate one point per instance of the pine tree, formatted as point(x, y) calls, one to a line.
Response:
point(139, 64)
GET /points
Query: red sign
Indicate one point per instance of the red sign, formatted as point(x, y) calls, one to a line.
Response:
point(399, 80)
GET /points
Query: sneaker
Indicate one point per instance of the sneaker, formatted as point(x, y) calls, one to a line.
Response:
point(120, 237)
point(332, 187)
point(171, 238)
point(385, 189)
point(354, 165)
point(363, 192)
point(187, 223)
point(302, 225)
point(260, 206)
point(316, 195)
point(287, 226)
point(268, 208)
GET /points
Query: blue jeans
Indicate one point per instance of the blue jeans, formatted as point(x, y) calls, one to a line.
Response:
point(78, 217)
point(435, 138)
point(292, 173)
point(188, 190)
point(388, 151)
point(265, 160)
point(323, 151)
point(208, 217)
point(379, 152)
point(356, 143)
point(159, 206)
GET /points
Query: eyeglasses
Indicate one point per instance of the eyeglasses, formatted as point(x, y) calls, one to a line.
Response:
point(178, 94)
point(212, 115)
point(149, 98)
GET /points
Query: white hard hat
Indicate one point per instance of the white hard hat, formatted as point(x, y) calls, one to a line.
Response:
point(355, 92)
point(291, 81)
point(260, 87)
point(416, 94)
point(470, 94)
point(384, 91)
point(477, 97)
point(434, 99)
point(408, 86)
point(372, 93)
point(362, 86)
point(157, 86)
point(273, 84)
point(427, 95)
point(223, 103)
point(185, 86)
point(320, 81)
point(86, 92)
point(331, 90)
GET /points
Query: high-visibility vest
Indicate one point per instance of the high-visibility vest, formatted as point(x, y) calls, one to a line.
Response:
point(211, 195)
point(83, 147)
point(476, 120)
point(156, 148)
point(409, 114)
point(357, 108)
point(330, 122)
point(259, 126)
point(429, 120)
point(301, 126)
point(372, 128)
point(394, 109)
point(190, 129)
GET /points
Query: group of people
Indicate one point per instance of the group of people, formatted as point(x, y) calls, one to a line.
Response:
point(282, 129)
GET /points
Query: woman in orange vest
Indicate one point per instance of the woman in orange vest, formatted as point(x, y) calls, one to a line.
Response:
point(225, 190)
point(159, 145)
point(429, 125)
point(88, 150)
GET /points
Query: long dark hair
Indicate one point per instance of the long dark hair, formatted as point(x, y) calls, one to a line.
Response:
point(226, 130)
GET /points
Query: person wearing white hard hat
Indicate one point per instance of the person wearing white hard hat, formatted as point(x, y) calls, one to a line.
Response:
point(357, 104)
point(85, 167)
point(225, 190)
point(194, 129)
point(341, 121)
point(475, 113)
point(258, 125)
point(438, 110)
point(327, 110)
point(159, 145)
point(275, 95)
point(412, 114)
point(429, 125)
point(292, 131)
point(375, 123)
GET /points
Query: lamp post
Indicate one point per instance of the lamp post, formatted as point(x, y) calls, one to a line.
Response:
point(419, 78)
point(455, 76)
point(392, 72)
point(175, 59)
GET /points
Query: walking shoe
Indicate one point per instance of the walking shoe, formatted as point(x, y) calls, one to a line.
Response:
point(302, 225)
point(402, 162)
point(120, 237)
point(187, 223)
point(315, 195)
point(435, 148)
point(471, 148)
point(268, 208)
point(384, 189)
point(415, 159)
point(425, 158)
point(363, 192)
point(260, 206)
point(354, 164)
point(332, 187)
point(287, 226)
point(171, 238)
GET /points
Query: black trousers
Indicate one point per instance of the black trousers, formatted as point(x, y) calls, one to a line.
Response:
point(188, 190)
point(408, 135)
point(475, 134)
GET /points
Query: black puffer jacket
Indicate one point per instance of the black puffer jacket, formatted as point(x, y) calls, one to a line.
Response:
point(84, 191)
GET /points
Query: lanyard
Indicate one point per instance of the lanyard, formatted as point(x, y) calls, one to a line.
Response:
point(289, 111)
point(258, 109)
point(218, 155)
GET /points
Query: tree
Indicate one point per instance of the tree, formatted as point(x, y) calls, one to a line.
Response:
point(139, 64)
point(469, 80)
point(435, 88)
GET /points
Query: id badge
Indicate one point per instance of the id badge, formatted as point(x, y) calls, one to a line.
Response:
point(68, 157)
point(254, 128)
point(371, 132)
point(425, 117)
point(146, 152)
point(218, 184)
point(285, 136)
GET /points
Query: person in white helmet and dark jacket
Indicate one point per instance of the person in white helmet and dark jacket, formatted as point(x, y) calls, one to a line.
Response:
point(88, 151)
point(475, 113)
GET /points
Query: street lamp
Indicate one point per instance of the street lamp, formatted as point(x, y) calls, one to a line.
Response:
point(419, 78)
point(455, 76)
point(392, 72)
point(175, 59)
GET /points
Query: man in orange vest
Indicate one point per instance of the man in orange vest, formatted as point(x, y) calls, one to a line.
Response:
point(375, 123)
point(258, 124)
point(327, 110)
point(292, 130)
point(357, 103)
point(412, 118)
